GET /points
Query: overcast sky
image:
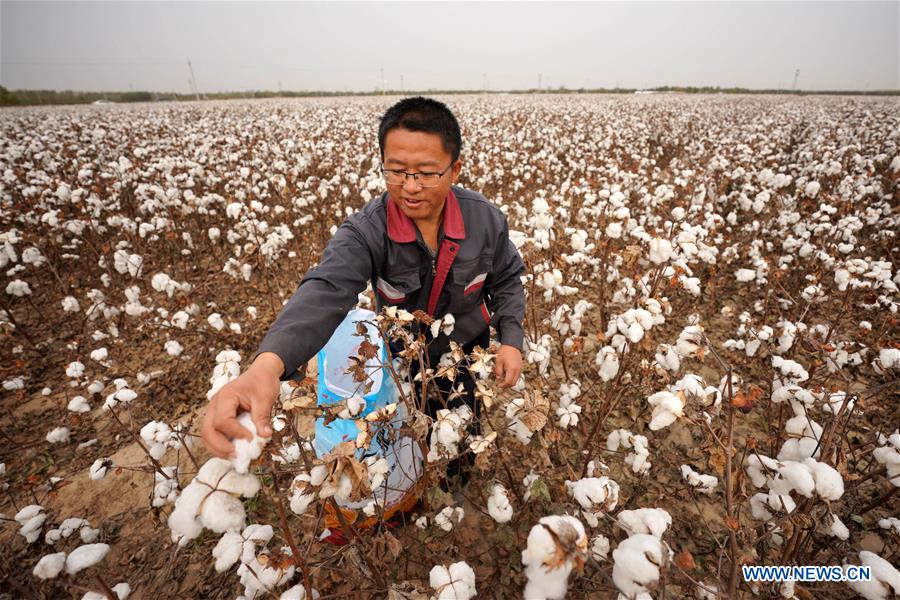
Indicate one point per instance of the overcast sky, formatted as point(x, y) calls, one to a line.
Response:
point(238, 46)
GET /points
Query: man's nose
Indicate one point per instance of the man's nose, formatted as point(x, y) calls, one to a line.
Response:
point(410, 184)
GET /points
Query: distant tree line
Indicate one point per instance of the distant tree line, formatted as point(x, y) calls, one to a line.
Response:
point(39, 97)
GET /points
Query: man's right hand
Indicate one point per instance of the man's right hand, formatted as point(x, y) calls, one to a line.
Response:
point(253, 391)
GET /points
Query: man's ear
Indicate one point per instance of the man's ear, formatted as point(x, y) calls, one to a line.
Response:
point(457, 167)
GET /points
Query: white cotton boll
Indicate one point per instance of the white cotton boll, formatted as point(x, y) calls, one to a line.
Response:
point(301, 494)
point(608, 361)
point(121, 590)
point(183, 520)
point(59, 435)
point(100, 468)
point(595, 493)
point(18, 288)
point(355, 404)
point(50, 565)
point(258, 577)
point(890, 523)
point(85, 556)
point(74, 370)
point(745, 275)
point(298, 592)
point(100, 354)
point(180, 319)
point(829, 483)
point(78, 404)
point(599, 547)
point(667, 407)
point(705, 484)
point(794, 476)
point(568, 412)
point(838, 529)
point(653, 521)
point(634, 333)
point(614, 230)
point(216, 322)
point(885, 578)
point(422, 522)
point(548, 563)
point(449, 517)
point(456, 582)
point(498, 504)
point(228, 550)
point(247, 450)
point(660, 250)
point(70, 304)
point(889, 358)
point(637, 561)
point(173, 348)
point(377, 468)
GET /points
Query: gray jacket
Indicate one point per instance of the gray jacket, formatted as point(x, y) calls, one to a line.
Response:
point(475, 275)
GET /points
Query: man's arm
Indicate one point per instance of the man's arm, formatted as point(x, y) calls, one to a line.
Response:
point(506, 296)
point(324, 296)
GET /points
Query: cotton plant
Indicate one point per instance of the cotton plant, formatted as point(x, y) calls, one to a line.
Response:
point(595, 495)
point(556, 546)
point(452, 582)
point(639, 457)
point(165, 486)
point(211, 501)
point(667, 408)
point(122, 590)
point(247, 450)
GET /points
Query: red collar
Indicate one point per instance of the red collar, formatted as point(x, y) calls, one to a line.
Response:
point(401, 228)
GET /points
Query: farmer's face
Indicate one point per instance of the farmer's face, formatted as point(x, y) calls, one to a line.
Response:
point(417, 152)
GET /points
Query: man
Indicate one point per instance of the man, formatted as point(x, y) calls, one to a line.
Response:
point(425, 244)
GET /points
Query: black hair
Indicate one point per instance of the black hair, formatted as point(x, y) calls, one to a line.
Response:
point(426, 115)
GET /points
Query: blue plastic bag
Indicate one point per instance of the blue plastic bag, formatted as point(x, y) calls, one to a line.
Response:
point(336, 385)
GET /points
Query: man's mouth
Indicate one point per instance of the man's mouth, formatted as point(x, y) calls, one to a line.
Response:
point(412, 203)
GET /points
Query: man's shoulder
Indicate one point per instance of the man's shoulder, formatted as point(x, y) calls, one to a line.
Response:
point(476, 204)
point(372, 214)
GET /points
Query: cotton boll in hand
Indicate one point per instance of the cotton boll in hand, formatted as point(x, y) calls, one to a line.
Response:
point(247, 450)
point(456, 582)
point(556, 546)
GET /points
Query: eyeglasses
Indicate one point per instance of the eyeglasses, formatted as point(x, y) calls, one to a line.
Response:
point(425, 180)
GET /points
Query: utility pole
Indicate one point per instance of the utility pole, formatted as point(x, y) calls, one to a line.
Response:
point(401, 85)
point(539, 82)
point(796, 77)
point(383, 84)
point(193, 81)
point(484, 83)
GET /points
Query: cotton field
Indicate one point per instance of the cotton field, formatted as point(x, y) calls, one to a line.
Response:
point(712, 360)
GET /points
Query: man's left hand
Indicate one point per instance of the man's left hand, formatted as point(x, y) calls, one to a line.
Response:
point(508, 365)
